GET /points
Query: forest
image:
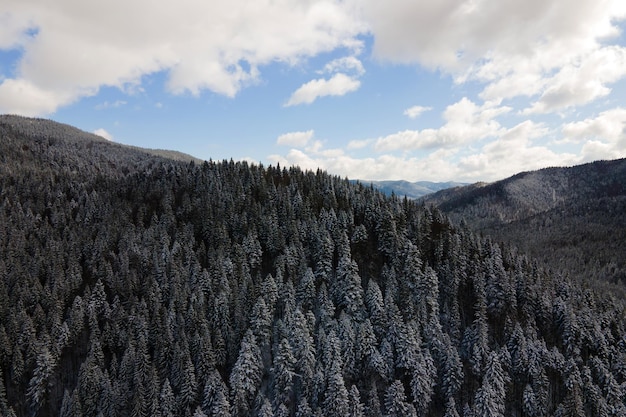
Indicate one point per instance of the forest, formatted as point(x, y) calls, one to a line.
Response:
point(570, 219)
point(136, 285)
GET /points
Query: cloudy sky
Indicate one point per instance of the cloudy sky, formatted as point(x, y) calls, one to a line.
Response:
point(461, 90)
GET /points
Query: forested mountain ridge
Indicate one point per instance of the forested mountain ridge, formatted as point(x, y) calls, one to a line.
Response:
point(571, 218)
point(42, 129)
point(133, 285)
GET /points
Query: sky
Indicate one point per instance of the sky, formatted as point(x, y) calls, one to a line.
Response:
point(447, 90)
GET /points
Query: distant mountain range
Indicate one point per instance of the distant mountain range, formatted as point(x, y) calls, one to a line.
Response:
point(412, 190)
point(571, 218)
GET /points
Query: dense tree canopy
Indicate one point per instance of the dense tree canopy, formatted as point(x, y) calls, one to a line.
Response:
point(568, 218)
point(136, 285)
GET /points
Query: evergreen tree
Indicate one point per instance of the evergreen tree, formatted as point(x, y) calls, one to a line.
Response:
point(167, 400)
point(283, 371)
point(491, 396)
point(396, 404)
point(336, 401)
point(356, 408)
point(38, 385)
point(246, 374)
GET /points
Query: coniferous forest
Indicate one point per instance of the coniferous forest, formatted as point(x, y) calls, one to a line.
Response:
point(136, 285)
point(568, 218)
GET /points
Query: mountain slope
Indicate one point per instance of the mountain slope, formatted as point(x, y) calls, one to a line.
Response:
point(48, 130)
point(137, 285)
point(572, 218)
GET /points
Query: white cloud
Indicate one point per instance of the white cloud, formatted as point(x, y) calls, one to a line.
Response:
point(435, 167)
point(465, 122)
point(582, 82)
point(609, 125)
point(453, 34)
point(602, 137)
point(551, 50)
point(103, 134)
point(527, 48)
point(358, 144)
point(415, 111)
point(345, 64)
point(21, 96)
point(594, 150)
point(13, 30)
point(513, 151)
point(298, 139)
point(216, 46)
point(338, 85)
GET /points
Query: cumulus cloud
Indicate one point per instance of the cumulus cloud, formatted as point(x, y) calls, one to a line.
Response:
point(338, 85)
point(298, 139)
point(602, 137)
point(435, 167)
point(453, 34)
point(513, 151)
point(345, 65)
point(513, 47)
point(103, 134)
point(21, 96)
point(609, 125)
point(14, 30)
point(532, 48)
point(415, 111)
point(70, 50)
point(583, 81)
point(465, 122)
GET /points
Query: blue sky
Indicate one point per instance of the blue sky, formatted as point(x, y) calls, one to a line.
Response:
point(465, 90)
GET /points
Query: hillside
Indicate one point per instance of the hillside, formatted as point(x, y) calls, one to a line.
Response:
point(571, 218)
point(135, 285)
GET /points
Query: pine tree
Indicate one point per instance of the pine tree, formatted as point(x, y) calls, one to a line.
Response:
point(303, 347)
point(266, 409)
point(573, 405)
point(356, 408)
point(188, 386)
point(347, 291)
point(303, 409)
point(336, 402)
point(375, 305)
point(305, 291)
point(423, 379)
point(199, 412)
point(396, 404)
point(451, 410)
point(38, 385)
point(490, 397)
point(167, 400)
point(283, 371)
point(246, 374)
point(530, 404)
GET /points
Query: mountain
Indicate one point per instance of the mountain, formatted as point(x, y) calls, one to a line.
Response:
point(137, 285)
point(412, 190)
point(571, 218)
point(54, 131)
